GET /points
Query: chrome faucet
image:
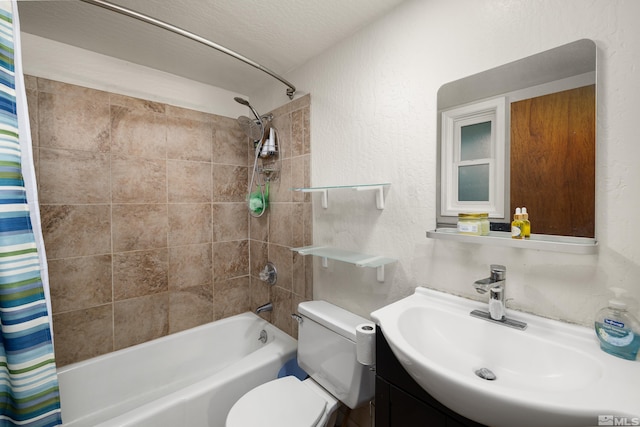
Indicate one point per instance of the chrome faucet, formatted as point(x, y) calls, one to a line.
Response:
point(265, 307)
point(495, 285)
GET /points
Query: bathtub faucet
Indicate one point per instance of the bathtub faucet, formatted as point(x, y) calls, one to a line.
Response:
point(265, 307)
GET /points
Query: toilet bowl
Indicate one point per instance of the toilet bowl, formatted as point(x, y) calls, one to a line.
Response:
point(327, 352)
point(285, 402)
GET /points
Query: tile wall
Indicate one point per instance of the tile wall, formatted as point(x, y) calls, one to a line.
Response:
point(144, 220)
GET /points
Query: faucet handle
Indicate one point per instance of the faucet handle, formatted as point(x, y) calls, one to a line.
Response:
point(498, 272)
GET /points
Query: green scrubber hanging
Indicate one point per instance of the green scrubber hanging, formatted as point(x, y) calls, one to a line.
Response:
point(258, 203)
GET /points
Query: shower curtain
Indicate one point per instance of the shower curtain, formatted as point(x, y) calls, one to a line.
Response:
point(29, 394)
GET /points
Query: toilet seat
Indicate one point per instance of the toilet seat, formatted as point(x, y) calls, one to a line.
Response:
point(284, 402)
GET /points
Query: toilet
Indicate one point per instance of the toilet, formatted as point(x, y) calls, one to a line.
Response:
point(327, 352)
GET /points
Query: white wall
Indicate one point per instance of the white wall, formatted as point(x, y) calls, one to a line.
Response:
point(69, 64)
point(373, 119)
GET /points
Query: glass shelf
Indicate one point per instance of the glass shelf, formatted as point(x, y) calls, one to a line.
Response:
point(379, 188)
point(566, 244)
point(351, 257)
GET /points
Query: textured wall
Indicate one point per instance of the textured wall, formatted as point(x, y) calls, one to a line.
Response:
point(374, 120)
point(144, 219)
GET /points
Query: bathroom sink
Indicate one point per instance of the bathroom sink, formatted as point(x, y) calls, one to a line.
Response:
point(550, 374)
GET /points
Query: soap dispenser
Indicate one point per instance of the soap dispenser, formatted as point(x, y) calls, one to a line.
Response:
point(617, 330)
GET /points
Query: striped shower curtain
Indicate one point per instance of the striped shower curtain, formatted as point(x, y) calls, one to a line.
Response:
point(29, 393)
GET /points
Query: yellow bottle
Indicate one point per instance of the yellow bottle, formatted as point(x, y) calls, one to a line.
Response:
point(526, 225)
point(517, 225)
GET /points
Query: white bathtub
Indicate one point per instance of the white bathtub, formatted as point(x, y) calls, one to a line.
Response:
point(188, 379)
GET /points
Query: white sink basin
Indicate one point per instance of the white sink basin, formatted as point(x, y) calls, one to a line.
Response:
point(550, 374)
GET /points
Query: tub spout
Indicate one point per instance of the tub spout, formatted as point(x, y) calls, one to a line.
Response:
point(265, 307)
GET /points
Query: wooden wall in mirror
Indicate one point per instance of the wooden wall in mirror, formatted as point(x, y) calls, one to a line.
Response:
point(550, 136)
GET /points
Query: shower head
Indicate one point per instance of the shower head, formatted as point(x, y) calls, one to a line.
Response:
point(242, 101)
point(250, 127)
point(246, 103)
point(253, 130)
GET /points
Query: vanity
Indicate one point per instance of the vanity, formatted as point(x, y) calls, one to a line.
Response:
point(401, 402)
point(437, 362)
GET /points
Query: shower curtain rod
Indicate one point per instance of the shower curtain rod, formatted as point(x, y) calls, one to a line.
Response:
point(291, 89)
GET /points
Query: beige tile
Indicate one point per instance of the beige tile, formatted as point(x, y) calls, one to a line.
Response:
point(141, 319)
point(137, 180)
point(137, 132)
point(259, 226)
point(297, 133)
point(260, 294)
point(71, 176)
point(297, 225)
point(79, 283)
point(306, 148)
point(281, 316)
point(229, 183)
point(230, 259)
point(189, 223)
point(231, 297)
point(30, 82)
point(83, 334)
point(137, 227)
point(307, 177)
point(230, 221)
point(190, 265)
point(160, 202)
point(281, 224)
point(141, 273)
point(259, 255)
point(190, 307)
point(281, 185)
point(298, 178)
point(283, 124)
point(282, 258)
point(189, 182)
point(230, 143)
point(32, 104)
point(73, 117)
point(189, 139)
point(76, 230)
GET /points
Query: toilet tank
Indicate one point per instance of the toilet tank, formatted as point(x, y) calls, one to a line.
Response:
point(327, 352)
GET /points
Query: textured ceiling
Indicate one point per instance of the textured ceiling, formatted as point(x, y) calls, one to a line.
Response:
point(280, 35)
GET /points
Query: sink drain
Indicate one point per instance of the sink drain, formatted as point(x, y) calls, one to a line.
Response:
point(486, 374)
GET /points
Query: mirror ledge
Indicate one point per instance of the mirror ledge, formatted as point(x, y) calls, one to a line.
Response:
point(565, 244)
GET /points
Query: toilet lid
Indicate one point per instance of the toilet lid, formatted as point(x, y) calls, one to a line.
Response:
point(285, 402)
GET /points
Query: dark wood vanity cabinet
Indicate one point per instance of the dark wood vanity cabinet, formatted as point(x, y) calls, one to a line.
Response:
point(401, 402)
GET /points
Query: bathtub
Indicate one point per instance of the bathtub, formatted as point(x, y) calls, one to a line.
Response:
point(190, 379)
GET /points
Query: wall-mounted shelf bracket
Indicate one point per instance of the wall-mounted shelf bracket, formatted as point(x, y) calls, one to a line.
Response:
point(323, 190)
point(379, 193)
point(356, 258)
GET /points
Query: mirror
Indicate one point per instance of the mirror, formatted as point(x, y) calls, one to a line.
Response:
point(548, 131)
